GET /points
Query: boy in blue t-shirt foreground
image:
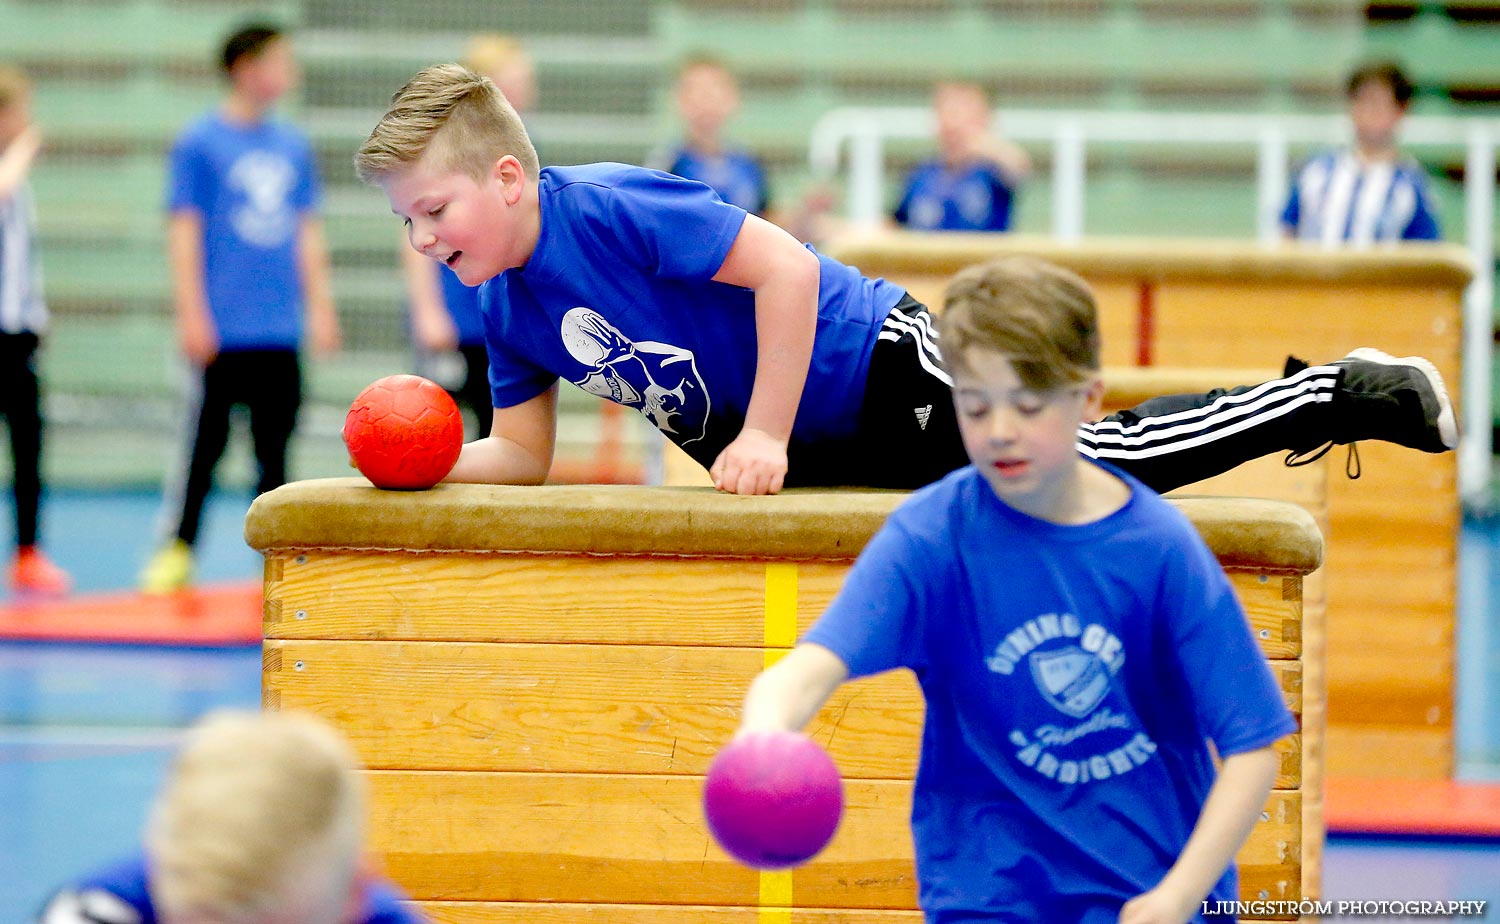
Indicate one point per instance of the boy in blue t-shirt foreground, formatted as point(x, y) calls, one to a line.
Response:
point(1076, 642)
point(769, 363)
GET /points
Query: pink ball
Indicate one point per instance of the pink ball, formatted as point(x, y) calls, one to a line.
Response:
point(773, 799)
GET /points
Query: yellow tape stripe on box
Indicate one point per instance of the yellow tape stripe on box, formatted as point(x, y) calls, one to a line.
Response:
point(776, 897)
point(781, 610)
point(780, 636)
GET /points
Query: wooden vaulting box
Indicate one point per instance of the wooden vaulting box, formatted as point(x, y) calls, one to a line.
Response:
point(537, 678)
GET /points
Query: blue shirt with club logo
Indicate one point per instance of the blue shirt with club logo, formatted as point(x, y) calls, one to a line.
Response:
point(251, 184)
point(1073, 677)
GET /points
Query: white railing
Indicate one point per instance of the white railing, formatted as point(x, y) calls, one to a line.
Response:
point(858, 136)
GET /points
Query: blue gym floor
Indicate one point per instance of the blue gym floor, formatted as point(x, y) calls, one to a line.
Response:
point(86, 730)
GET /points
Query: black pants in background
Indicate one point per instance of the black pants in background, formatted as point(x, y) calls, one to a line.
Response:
point(268, 383)
point(20, 403)
point(475, 393)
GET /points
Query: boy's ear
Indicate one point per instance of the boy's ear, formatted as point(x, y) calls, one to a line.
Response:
point(511, 176)
point(1093, 403)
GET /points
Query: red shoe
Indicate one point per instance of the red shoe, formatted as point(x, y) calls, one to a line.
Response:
point(33, 573)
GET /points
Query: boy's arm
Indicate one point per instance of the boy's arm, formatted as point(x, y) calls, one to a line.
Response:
point(1234, 803)
point(790, 692)
point(17, 158)
point(317, 290)
point(431, 323)
point(1010, 158)
point(519, 447)
point(784, 276)
point(196, 335)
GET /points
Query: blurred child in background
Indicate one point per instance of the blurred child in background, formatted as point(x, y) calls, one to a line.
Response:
point(445, 318)
point(248, 258)
point(23, 320)
point(260, 821)
point(970, 185)
point(708, 96)
point(1371, 191)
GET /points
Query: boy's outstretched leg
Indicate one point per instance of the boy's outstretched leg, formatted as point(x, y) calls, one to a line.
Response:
point(1175, 440)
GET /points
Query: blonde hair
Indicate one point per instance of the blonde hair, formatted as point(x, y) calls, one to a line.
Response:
point(702, 59)
point(454, 111)
point(260, 820)
point(491, 52)
point(1039, 316)
point(14, 85)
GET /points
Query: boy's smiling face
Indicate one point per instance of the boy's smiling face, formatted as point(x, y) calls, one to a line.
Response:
point(477, 228)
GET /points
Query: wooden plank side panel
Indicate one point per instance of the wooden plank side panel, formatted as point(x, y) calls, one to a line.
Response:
point(1378, 611)
point(582, 708)
point(641, 840)
point(573, 708)
point(1364, 689)
point(572, 913)
point(1400, 752)
point(1235, 323)
point(615, 838)
point(1416, 634)
point(529, 598)
point(534, 598)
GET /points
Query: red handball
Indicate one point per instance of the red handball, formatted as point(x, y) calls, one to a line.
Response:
point(404, 432)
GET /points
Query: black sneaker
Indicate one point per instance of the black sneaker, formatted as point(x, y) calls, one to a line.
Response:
point(1397, 400)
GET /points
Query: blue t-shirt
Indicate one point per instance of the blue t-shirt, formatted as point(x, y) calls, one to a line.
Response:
point(463, 306)
point(252, 184)
point(734, 174)
point(973, 197)
point(618, 297)
point(119, 894)
point(1072, 675)
point(1338, 199)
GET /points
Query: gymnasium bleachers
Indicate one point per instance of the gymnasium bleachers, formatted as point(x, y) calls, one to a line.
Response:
point(117, 78)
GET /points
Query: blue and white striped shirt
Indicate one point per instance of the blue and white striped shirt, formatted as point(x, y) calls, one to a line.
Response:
point(1337, 199)
point(22, 309)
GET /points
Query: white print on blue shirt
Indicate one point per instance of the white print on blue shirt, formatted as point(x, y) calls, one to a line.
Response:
point(1074, 678)
point(658, 379)
point(975, 200)
point(266, 218)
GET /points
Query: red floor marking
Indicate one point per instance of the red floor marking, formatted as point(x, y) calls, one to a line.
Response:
point(1439, 807)
point(213, 615)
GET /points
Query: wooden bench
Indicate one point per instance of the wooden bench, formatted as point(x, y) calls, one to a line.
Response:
point(536, 679)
